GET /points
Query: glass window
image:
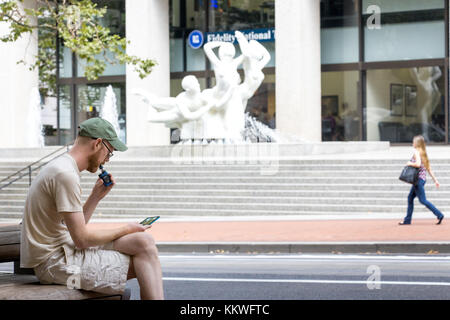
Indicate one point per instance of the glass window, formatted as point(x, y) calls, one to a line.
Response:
point(65, 115)
point(186, 16)
point(237, 15)
point(65, 62)
point(402, 103)
point(339, 39)
point(91, 100)
point(340, 113)
point(114, 19)
point(176, 54)
point(113, 68)
point(412, 29)
point(49, 121)
point(195, 59)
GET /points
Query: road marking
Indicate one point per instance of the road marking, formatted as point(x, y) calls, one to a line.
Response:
point(307, 257)
point(318, 281)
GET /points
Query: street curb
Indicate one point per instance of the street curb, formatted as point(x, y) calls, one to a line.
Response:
point(424, 247)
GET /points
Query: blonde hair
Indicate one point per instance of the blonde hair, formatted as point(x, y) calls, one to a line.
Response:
point(419, 142)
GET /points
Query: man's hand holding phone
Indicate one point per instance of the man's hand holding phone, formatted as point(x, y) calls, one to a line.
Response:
point(149, 221)
point(136, 227)
point(142, 226)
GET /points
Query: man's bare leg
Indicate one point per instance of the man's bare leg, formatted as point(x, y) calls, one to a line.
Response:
point(144, 264)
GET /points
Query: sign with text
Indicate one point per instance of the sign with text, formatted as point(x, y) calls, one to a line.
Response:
point(261, 35)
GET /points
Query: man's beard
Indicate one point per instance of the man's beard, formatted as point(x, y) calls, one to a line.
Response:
point(93, 164)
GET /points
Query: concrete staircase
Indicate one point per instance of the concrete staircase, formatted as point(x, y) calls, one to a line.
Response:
point(292, 188)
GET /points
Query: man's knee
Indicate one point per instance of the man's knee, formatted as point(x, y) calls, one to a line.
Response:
point(147, 244)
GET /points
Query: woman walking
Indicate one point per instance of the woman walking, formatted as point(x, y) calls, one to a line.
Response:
point(420, 160)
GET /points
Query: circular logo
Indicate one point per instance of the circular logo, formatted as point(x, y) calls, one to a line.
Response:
point(195, 39)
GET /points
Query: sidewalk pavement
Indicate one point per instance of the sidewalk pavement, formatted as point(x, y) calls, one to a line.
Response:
point(380, 236)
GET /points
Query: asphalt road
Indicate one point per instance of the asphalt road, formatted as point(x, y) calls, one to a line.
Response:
point(304, 277)
point(301, 277)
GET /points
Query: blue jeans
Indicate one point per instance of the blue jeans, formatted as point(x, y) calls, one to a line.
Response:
point(419, 191)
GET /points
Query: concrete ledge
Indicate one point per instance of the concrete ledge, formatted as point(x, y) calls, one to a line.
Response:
point(203, 152)
point(305, 247)
point(251, 150)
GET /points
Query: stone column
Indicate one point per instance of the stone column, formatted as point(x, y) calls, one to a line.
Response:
point(298, 87)
point(147, 27)
point(16, 84)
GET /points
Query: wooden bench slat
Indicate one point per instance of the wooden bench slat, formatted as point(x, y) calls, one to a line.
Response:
point(9, 237)
point(8, 228)
point(47, 292)
point(27, 287)
point(9, 252)
point(7, 279)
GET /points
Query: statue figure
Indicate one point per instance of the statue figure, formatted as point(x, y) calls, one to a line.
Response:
point(184, 110)
point(256, 57)
point(253, 59)
point(216, 113)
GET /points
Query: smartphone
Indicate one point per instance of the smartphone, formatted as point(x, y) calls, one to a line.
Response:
point(148, 221)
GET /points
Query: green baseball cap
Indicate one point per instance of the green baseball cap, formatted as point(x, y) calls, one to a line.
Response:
point(100, 128)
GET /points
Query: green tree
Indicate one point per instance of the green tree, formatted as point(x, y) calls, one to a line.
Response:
point(77, 25)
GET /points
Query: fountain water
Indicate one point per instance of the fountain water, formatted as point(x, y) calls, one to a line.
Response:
point(256, 131)
point(34, 132)
point(109, 109)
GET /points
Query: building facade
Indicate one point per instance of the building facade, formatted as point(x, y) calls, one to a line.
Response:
point(340, 70)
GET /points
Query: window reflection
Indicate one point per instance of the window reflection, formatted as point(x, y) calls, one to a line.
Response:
point(402, 103)
point(340, 114)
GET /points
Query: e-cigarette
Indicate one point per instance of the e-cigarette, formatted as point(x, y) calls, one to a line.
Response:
point(104, 175)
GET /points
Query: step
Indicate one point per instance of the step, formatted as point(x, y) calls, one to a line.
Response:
point(217, 167)
point(330, 180)
point(146, 201)
point(119, 214)
point(398, 186)
point(241, 161)
point(105, 214)
point(247, 208)
point(247, 173)
point(176, 195)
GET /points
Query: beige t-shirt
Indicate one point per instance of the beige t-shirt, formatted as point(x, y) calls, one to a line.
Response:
point(55, 190)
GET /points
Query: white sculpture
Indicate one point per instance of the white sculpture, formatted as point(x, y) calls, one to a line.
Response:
point(255, 58)
point(35, 136)
point(216, 113)
point(184, 110)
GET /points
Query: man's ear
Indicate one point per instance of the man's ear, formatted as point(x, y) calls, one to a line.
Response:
point(97, 143)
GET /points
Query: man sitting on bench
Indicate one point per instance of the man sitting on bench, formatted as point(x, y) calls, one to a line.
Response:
point(58, 242)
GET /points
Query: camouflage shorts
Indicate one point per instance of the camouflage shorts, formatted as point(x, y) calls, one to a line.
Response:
point(99, 269)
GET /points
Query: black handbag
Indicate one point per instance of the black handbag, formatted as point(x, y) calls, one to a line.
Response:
point(410, 175)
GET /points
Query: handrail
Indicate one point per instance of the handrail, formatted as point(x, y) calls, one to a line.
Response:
point(30, 170)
